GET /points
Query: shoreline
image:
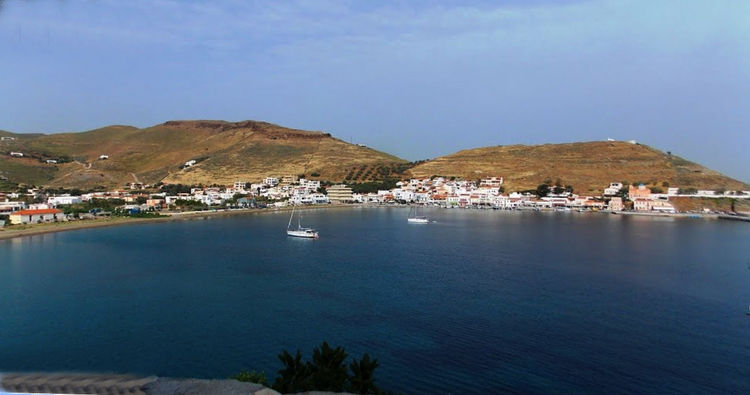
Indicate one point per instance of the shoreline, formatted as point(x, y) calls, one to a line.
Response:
point(54, 227)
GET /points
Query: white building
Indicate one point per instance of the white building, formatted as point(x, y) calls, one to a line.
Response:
point(339, 193)
point(491, 182)
point(310, 185)
point(63, 199)
point(613, 189)
point(9, 206)
point(501, 201)
point(103, 157)
point(239, 186)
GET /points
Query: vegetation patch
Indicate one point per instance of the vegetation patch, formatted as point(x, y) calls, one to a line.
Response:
point(327, 371)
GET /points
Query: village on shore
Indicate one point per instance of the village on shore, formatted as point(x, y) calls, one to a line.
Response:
point(35, 206)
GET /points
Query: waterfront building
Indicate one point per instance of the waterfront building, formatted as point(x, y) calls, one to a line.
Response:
point(36, 216)
point(340, 193)
point(642, 204)
point(662, 206)
point(615, 204)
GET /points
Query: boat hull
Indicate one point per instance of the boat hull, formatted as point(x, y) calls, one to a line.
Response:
point(418, 220)
point(303, 234)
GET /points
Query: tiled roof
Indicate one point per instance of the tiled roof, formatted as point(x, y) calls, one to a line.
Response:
point(37, 212)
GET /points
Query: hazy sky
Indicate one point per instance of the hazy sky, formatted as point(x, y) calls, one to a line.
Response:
point(415, 78)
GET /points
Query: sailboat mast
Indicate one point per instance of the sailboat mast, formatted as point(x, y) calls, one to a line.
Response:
point(290, 218)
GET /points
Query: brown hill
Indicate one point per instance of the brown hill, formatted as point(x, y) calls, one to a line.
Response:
point(589, 167)
point(250, 150)
point(225, 152)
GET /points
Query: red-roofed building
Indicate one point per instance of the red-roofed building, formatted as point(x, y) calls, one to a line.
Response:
point(36, 216)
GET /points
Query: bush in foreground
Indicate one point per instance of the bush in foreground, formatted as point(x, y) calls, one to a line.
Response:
point(328, 371)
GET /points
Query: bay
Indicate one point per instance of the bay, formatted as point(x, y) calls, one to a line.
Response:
point(478, 302)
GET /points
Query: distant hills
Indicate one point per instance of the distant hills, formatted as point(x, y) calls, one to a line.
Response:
point(588, 166)
point(225, 152)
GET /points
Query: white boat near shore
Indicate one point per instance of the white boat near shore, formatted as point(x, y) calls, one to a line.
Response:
point(415, 218)
point(305, 233)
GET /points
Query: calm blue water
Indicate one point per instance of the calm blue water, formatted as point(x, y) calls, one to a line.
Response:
point(480, 301)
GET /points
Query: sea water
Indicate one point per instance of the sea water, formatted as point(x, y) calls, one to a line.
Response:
point(479, 301)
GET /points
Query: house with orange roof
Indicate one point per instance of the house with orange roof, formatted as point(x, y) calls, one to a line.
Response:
point(37, 216)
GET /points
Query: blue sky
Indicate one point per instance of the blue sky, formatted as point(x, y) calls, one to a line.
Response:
point(418, 79)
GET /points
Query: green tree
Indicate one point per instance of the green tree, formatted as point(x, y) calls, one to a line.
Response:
point(329, 368)
point(542, 190)
point(295, 376)
point(362, 380)
point(327, 372)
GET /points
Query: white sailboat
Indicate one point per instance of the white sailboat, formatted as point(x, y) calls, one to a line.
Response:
point(307, 233)
point(415, 218)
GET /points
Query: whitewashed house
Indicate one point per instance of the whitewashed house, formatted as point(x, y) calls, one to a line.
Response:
point(63, 200)
point(613, 189)
point(495, 182)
